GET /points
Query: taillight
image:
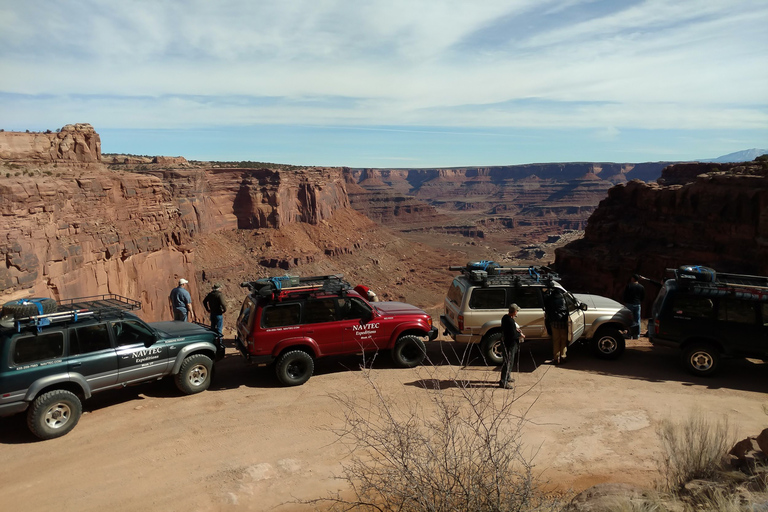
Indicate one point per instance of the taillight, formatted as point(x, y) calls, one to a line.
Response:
point(656, 326)
point(461, 322)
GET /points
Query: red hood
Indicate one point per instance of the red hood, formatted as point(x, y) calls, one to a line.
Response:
point(397, 308)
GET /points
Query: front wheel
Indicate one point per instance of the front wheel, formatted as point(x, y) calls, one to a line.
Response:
point(492, 350)
point(701, 359)
point(54, 414)
point(294, 368)
point(195, 374)
point(608, 343)
point(409, 352)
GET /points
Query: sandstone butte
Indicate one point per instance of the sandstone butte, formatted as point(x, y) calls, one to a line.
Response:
point(75, 223)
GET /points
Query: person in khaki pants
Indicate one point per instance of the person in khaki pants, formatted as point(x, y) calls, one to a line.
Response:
point(556, 320)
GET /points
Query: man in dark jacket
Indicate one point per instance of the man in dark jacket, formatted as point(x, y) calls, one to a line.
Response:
point(634, 294)
point(556, 318)
point(511, 338)
point(216, 305)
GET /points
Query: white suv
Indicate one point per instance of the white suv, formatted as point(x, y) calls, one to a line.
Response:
point(481, 295)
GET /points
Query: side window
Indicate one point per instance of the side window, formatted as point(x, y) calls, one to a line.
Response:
point(456, 292)
point(30, 349)
point(352, 308)
point(278, 315)
point(91, 338)
point(691, 306)
point(738, 311)
point(527, 298)
point(570, 302)
point(247, 314)
point(131, 332)
point(320, 310)
point(488, 298)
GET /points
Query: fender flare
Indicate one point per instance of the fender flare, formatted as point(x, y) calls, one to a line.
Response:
point(417, 325)
point(490, 327)
point(200, 347)
point(40, 384)
point(600, 321)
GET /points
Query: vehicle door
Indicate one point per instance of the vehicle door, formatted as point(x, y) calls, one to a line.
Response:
point(92, 355)
point(361, 329)
point(685, 316)
point(530, 318)
point(140, 355)
point(740, 326)
point(576, 317)
point(321, 324)
point(278, 321)
point(34, 356)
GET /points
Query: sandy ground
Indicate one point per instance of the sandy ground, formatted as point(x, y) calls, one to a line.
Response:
point(248, 444)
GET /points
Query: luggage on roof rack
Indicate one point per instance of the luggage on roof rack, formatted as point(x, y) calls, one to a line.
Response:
point(491, 273)
point(275, 286)
point(706, 281)
point(72, 310)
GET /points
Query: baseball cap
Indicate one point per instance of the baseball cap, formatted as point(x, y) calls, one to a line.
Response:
point(182, 281)
point(216, 286)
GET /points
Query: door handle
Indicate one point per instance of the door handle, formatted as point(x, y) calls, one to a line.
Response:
point(75, 364)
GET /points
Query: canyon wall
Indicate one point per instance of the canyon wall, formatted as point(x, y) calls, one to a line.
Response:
point(706, 214)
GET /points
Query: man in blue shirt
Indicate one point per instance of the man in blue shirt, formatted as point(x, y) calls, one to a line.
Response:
point(181, 302)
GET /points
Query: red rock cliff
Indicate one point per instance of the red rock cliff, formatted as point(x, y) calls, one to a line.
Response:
point(73, 143)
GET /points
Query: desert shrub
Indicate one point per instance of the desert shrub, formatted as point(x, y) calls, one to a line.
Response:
point(461, 450)
point(693, 448)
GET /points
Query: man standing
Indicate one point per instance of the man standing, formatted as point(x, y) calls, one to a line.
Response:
point(216, 306)
point(181, 302)
point(510, 341)
point(556, 319)
point(634, 294)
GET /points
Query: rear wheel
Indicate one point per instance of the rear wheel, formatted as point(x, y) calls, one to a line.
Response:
point(701, 359)
point(195, 374)
point(294, 368)
point(54, 414)
point(491, 349)
point(409, 352)
point(608, 343)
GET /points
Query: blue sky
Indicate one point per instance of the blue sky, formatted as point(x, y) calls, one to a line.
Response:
point(395, 83)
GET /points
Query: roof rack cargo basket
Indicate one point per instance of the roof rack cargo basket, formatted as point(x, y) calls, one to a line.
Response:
point(706, 281)
point(274, 286)
point(491, 273)
point(72, 310)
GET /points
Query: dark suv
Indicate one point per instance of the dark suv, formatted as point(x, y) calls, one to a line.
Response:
point(710, 315)
point(290, 321)
point(52, 356)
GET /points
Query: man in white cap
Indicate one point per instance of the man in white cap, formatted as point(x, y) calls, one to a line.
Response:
point(181, 302)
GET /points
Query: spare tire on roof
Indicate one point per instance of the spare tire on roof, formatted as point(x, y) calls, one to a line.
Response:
point(29, 307)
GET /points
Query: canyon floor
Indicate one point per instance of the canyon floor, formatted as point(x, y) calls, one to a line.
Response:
point(248, 444)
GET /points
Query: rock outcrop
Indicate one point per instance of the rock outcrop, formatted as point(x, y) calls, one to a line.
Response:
point(75, 143)
point(713, 216)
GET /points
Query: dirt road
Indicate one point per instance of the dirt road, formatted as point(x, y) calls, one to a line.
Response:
point(247, 444)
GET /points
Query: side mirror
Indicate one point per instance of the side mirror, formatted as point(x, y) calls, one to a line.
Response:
point(151, 341)
point(367, 317)
point(583, 306)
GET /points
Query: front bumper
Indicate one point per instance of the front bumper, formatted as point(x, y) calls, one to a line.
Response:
point(433, 332)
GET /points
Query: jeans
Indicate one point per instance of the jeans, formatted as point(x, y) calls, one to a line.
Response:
point(509, 352)
point(217, 324)
point(180, 314)
point(634, 330)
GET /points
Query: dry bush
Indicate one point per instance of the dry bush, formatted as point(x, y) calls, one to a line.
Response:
point(460, 450)
point(693, 449)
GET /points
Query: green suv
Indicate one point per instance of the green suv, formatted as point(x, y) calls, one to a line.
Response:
point(54, 355)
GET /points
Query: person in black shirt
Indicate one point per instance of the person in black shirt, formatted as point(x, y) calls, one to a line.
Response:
point(556, 321)
point(216, 306)
point(634, 294)
point(511, 338)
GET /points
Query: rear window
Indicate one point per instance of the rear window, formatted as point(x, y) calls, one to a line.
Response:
point(30, 349)
point(456, 292)
point(488, 298)
point(247, 314)
point(278, 315)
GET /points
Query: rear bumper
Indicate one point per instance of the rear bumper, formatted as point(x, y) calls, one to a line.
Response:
point(253, 359)
point(454, 333)
point(13, 408)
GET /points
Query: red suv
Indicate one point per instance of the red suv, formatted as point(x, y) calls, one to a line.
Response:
point(290, 321)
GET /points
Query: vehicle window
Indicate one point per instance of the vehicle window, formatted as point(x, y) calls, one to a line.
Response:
point(130, 332)
point(570, 301)
point(527, 298)
point(765, 314)
point(278, 315)
point(456, 292)
point(91, 338)
point(38, 348)
point(488, 298)
point(692, 307)
point(738, 311)
point(319, 310)
point(352, 308)
point(247, 314)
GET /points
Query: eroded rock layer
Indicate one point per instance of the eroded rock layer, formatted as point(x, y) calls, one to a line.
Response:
point(73, 143)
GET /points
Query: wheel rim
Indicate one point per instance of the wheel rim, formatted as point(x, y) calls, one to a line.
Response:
point(197, 375)
point(296, 370)
point(410, 352)
point(701, 361)
point(57, 415)
point(607, 345)
point(496, 350)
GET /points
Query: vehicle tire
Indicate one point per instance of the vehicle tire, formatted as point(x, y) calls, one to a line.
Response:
point(294, 368)
point(608, 343)
point(491, 349)
point(194, 374)
point(701, 359)
point(28, 307)
point(409, 352)
point(54, 414)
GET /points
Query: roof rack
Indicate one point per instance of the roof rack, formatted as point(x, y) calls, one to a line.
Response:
point(491, 273)
point(706, 281)
point(72, 310)
point(279, 286)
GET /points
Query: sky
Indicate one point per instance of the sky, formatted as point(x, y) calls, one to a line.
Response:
point(393, 83)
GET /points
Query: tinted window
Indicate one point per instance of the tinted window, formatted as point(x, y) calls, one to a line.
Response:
point(527, 298)
point(352, 308)
point(319, 310)
point(247, 314)
point(278, 315)
point(131, 332)
point(488, 298)
point(456, 292)
point(691, 306)
point(91, 338)
point(739, 311)
point(38, 348)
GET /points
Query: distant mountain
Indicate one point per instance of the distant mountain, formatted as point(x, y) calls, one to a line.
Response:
point(746, 155)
